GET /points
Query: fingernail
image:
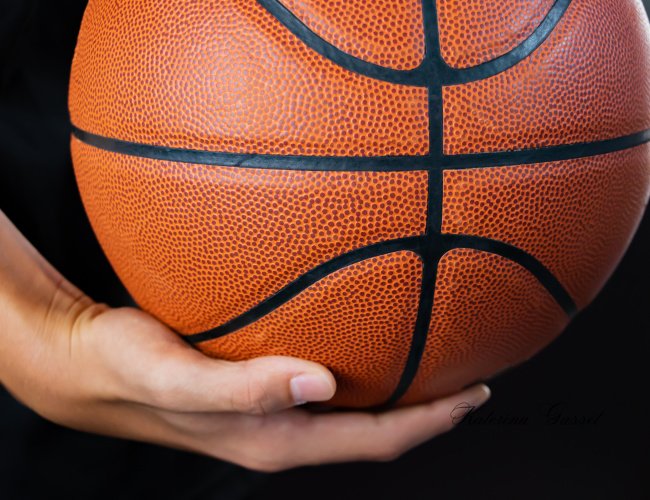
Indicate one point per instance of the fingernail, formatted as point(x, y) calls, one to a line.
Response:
point(310, 388)
point(481, 396)
point(472, 399)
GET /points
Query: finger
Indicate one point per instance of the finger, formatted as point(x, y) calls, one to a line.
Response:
point(345, 437)
point(152, 366)
point(192, 382)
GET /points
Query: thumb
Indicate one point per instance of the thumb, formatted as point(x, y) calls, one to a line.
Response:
point(258, 386)
point(269, 384)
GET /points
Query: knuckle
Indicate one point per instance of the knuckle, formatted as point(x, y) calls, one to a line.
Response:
point(252, 399)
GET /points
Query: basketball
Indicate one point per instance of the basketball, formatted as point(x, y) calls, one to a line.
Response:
point(417, 194)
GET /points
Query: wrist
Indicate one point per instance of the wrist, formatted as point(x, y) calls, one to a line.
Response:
point(37, 304)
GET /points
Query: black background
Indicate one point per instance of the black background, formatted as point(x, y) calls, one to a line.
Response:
point(597, 368)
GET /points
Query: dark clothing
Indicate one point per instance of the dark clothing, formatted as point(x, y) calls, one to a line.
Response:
point(38, 193)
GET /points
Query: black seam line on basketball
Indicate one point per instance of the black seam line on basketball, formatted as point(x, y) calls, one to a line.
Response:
point(414, 77)
point(545, 154)
point(432, 252)
point(368, 163)
point(253, 160)
point(454, 76)
point(271, 303)
point(545, 277)
point(420, 75)
point(420, 332)
point(443, 244)
point(432, 238)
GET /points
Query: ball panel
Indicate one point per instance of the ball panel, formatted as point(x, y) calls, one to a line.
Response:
point(588, 81)
point(488, 314)
point(358, 321)
point(384, 32)
point(473, 32)
point(227, 76)
point(198, 245)
point(575, 216)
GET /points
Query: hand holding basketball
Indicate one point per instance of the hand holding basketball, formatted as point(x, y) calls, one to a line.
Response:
point(120, 372)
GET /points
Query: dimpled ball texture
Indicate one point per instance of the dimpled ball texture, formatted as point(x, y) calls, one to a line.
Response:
point(417, 194)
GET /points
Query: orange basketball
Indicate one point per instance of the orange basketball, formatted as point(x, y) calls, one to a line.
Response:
point(415, 193)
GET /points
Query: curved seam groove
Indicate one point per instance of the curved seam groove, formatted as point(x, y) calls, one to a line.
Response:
point(546, 154)
point(412, 77)
point(420, 332)
point(543, 275)
point(255, 160)
point(364, 163)
point(288, 292)
point(452, 76)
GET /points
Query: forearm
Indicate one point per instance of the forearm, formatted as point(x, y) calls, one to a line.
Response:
point(35, 299)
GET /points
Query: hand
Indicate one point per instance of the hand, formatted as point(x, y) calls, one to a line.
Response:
point(120, 372)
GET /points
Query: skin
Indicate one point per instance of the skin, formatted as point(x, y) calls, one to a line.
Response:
point(120, 372)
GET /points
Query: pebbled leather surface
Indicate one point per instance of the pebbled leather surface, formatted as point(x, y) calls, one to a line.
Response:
point(488, 313)
point(587, 82)
point(474, 31)
point(199, 245)
point(357, 321)
point(384, 32)
point(225, 75)
point(575, 216)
